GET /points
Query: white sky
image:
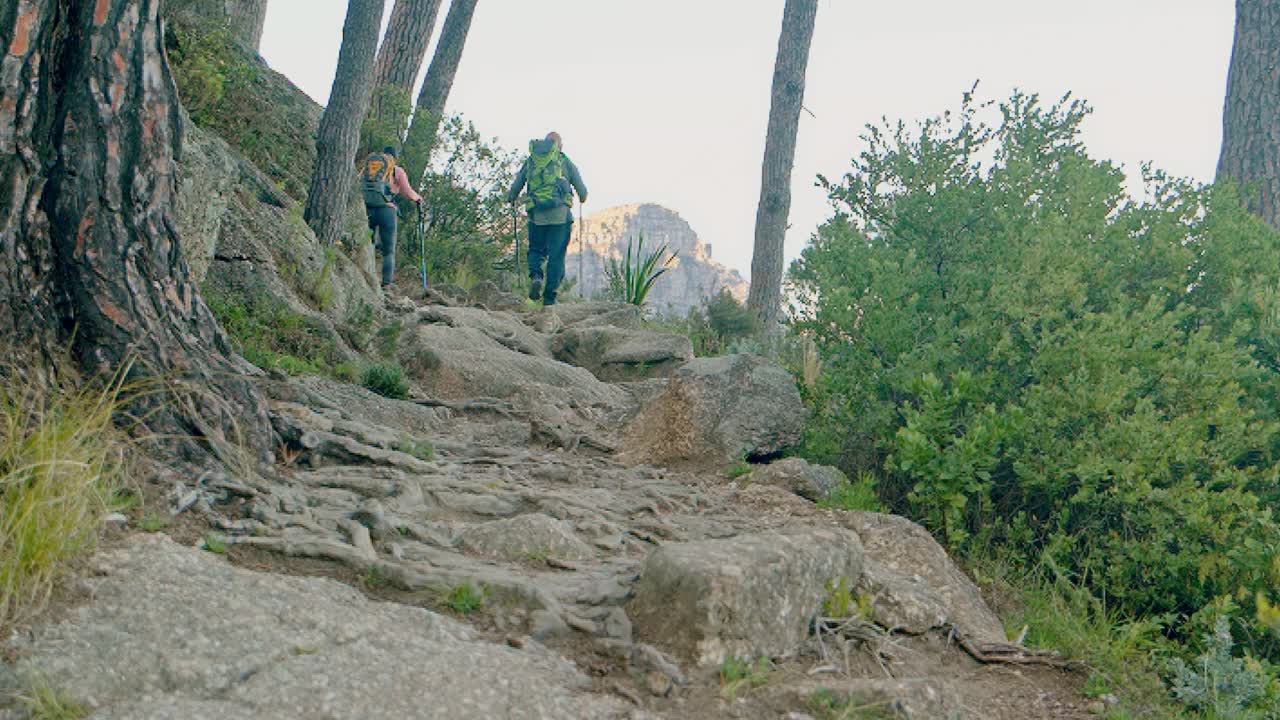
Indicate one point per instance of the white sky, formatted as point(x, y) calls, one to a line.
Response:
point(667, 100)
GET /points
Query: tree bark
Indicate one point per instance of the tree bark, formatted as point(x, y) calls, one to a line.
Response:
point(243, 18)
point(765, 296)
point(436, 88)
point(339, 135)
point(1251, 116)
point(404, 47)
point(89, 249)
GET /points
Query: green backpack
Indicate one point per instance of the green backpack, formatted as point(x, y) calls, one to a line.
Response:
point(544, 172)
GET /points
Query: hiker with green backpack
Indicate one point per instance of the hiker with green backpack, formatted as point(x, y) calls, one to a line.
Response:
point(383, 180)
point(550, 179)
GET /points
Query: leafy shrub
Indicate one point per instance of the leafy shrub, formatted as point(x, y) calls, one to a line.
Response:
point(632, 277)
point(386, 379)
point(1217, 682)
point(1035, 362)
point(60, 466)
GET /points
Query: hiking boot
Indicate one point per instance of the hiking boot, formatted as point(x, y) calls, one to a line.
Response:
point(549, 300)
point(535, 288)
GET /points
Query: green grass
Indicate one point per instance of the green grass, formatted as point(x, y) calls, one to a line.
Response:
point(387, 337)
point(270, 335)
point(214, 544)
point(43, 701)
point(61, 468)
point(857, 494)
point(737, 470)
point(152, 522)
point(386, 379)
point(737, 674)
point(374, 578)
point(464, 598)
point(1125, 656)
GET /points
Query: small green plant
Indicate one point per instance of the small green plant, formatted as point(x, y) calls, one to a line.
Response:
point(387, 337)
point(839, 602)
point(739, 673)
point(421, 449)
point(857, 494)
point(464, 598)
point(317, 285)
point(829, 705)
point(152, 522)
point(1217, 683)
point(214, 544)
point(631, 279)
point(738, 469)
point(346, 372)
point(386, 379)
point(375, 578)
point(43, 701)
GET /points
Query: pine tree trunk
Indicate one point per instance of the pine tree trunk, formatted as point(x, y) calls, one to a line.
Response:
point(404, 47)
point(765, 296)
point(339, 134)
point(89, 250)
point(243, 18)
point(435, 89)
point(1251, 117)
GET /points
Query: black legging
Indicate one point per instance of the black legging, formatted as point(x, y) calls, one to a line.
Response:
point(383, 219)
point(548, 244)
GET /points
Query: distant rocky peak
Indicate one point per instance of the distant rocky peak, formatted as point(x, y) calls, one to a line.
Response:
point(693, 278)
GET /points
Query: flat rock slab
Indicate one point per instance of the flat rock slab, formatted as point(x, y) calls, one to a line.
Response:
point(745, 596)
point(813, 482)
point(613, 353)
point(531, 536)
point(175, 632)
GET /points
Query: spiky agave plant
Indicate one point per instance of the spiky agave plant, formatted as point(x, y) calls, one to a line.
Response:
point(631, 279)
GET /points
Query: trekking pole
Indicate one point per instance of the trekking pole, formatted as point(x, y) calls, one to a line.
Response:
point(422, 246)
point(515, 234)
point(582, 244)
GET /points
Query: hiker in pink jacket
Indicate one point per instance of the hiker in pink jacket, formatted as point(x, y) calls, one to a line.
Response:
point(383, 181)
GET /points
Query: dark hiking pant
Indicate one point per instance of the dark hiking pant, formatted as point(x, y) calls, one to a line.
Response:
point(383, 221)
point(548, 244)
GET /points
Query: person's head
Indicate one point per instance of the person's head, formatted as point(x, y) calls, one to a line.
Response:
point(554, 137)
point(389, 150)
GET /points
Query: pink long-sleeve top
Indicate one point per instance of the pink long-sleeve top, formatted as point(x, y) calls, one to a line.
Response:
point(401, 186)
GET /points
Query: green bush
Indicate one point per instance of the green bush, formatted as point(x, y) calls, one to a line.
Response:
point(386, 379)
point(1035, 362)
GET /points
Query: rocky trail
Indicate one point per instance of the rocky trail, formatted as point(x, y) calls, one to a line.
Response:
point(543, 530)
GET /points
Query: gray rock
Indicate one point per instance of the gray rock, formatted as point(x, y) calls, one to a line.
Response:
point(913, 583)
point(718, 410)
point(502, 327)
point(812, 482)
point(545, 625)
point(173, 632)
point(746, 596)
point(532, 536)
point(613, 353)
point(617, 625)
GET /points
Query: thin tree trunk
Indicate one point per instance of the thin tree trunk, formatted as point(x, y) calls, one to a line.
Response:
point(1251, 116)
point(404, 47)
point(89, 249)
point(765, 296)
point(243, 18)
point(436, 88)
point(339, 134)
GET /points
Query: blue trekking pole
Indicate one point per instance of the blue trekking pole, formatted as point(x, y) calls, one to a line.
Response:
point(422, 240)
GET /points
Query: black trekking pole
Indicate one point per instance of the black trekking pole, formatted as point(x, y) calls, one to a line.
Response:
point(515, 233)
point(422, 246)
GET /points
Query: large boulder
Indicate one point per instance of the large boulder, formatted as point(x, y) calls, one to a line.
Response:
point(801, 477)
point(176, 632)
point(913, 584)
point(718, 410)
point(745, 596)
point(613, 353)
